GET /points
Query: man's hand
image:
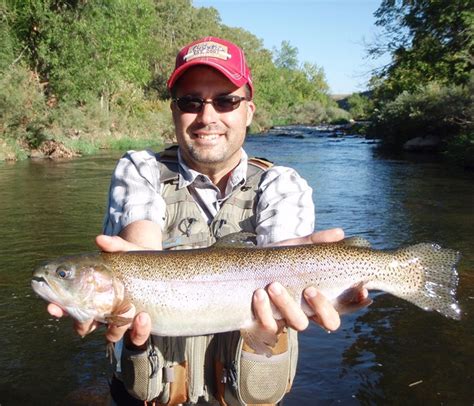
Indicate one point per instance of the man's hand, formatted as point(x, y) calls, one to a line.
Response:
point(331, 235)
point(293, 316)
point(141, 325)
point(107, 244)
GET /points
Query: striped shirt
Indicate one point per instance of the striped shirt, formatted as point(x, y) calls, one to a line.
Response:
point(284, 210)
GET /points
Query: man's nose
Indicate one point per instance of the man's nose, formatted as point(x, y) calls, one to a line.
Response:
point(208, 113)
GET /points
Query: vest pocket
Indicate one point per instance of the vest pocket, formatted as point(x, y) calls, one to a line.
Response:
point(262, 379)
point(142, 372)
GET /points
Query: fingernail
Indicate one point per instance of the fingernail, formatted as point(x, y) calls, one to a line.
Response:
point(260, 295)
point(141, 319)
point(311, 292)
point(275, 288)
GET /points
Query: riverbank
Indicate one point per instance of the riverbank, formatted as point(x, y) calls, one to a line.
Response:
point(65, 146)
point(41, 130)
point(35, 126)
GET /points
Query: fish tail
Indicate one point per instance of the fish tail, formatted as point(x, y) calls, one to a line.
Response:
point(430, 278)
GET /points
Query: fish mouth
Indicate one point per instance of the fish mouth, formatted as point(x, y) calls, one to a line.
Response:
point(42, 288)
point(39, 279)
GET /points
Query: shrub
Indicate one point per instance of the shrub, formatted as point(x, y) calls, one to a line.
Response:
point(360, 106)
point(24, 114)
point(310, 112)
point(336, 115)
point(433, 110)
point(461, 150)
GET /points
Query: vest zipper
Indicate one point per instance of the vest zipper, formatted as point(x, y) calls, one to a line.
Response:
point(154, 360)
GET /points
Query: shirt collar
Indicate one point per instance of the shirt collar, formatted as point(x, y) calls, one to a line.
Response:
point(187, 176)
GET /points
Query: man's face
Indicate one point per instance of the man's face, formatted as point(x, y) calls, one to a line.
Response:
point(210, 139)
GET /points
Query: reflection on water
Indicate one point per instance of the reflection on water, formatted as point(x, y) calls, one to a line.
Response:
point(391, 353)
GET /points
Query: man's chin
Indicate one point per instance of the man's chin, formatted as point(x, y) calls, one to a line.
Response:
point(207, 155)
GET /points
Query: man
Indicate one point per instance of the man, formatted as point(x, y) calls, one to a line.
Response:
point(198, 194)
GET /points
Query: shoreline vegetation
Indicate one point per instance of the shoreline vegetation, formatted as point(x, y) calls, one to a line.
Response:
point(77, 77)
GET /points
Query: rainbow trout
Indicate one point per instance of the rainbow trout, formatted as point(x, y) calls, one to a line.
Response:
point(205, 291)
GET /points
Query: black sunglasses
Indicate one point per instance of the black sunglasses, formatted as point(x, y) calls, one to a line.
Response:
point(222, 104)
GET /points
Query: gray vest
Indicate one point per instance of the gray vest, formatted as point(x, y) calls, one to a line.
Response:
point(184, 225)
point(217, 368)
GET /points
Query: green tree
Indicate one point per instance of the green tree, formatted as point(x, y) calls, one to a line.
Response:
point(85, 49)
point(429, 40)
point(360, 106)
point(177, 23)
point(286, 57)
point(9, 46)
point(58, 58)
point(426, 89)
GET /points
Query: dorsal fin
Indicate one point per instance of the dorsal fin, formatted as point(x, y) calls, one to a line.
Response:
point(240, 239)
point(356, 241)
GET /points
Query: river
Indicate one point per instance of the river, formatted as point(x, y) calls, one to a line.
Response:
point(390, 353)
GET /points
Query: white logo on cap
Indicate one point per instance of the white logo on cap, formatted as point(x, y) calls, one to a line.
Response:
point(207, 49)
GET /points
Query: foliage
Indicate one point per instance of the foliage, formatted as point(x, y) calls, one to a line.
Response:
point(443, 111)
point(82, 50)
point(24, 113)
point(461, 150)
point(176, 24)
point(428, 40)
point(286, 57)
point(91, 73)
point(336, 115)
point(427, 87)
point(360, 106)
point(8, 42)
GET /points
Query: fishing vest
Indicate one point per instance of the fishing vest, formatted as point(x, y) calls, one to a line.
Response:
point(184, 225)
point(220, 369)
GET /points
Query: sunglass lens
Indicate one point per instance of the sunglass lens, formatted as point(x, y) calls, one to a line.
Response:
point(223, 104)
point(226, 103)
point(190, 104)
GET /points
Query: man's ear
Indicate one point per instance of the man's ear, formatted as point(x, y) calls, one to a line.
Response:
point(250, 112)
point(174, 110)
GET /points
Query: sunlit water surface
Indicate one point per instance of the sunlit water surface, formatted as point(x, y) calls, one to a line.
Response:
point(390, 353)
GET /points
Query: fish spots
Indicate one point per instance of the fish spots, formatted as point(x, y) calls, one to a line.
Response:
point(205, 286)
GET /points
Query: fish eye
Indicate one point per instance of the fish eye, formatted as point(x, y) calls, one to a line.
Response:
point(63, 272)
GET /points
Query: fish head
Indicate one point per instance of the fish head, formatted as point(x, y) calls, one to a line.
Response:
point(83, 286)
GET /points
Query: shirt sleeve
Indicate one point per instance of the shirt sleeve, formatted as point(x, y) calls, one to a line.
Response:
point(134, 192)
point(285, 208)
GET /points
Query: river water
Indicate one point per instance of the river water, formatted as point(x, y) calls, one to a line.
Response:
point(390, 353)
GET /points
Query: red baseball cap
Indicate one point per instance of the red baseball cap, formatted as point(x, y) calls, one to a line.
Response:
point(217, 53)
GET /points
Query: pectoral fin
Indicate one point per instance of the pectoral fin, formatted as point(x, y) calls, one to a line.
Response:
point(259, 340)
point(118, 321)
point(352, 299)
point(119, 316)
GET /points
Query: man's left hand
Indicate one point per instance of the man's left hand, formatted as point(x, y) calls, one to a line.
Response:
point(292, 315)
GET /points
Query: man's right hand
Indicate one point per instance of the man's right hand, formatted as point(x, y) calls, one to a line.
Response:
point(141, 325)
